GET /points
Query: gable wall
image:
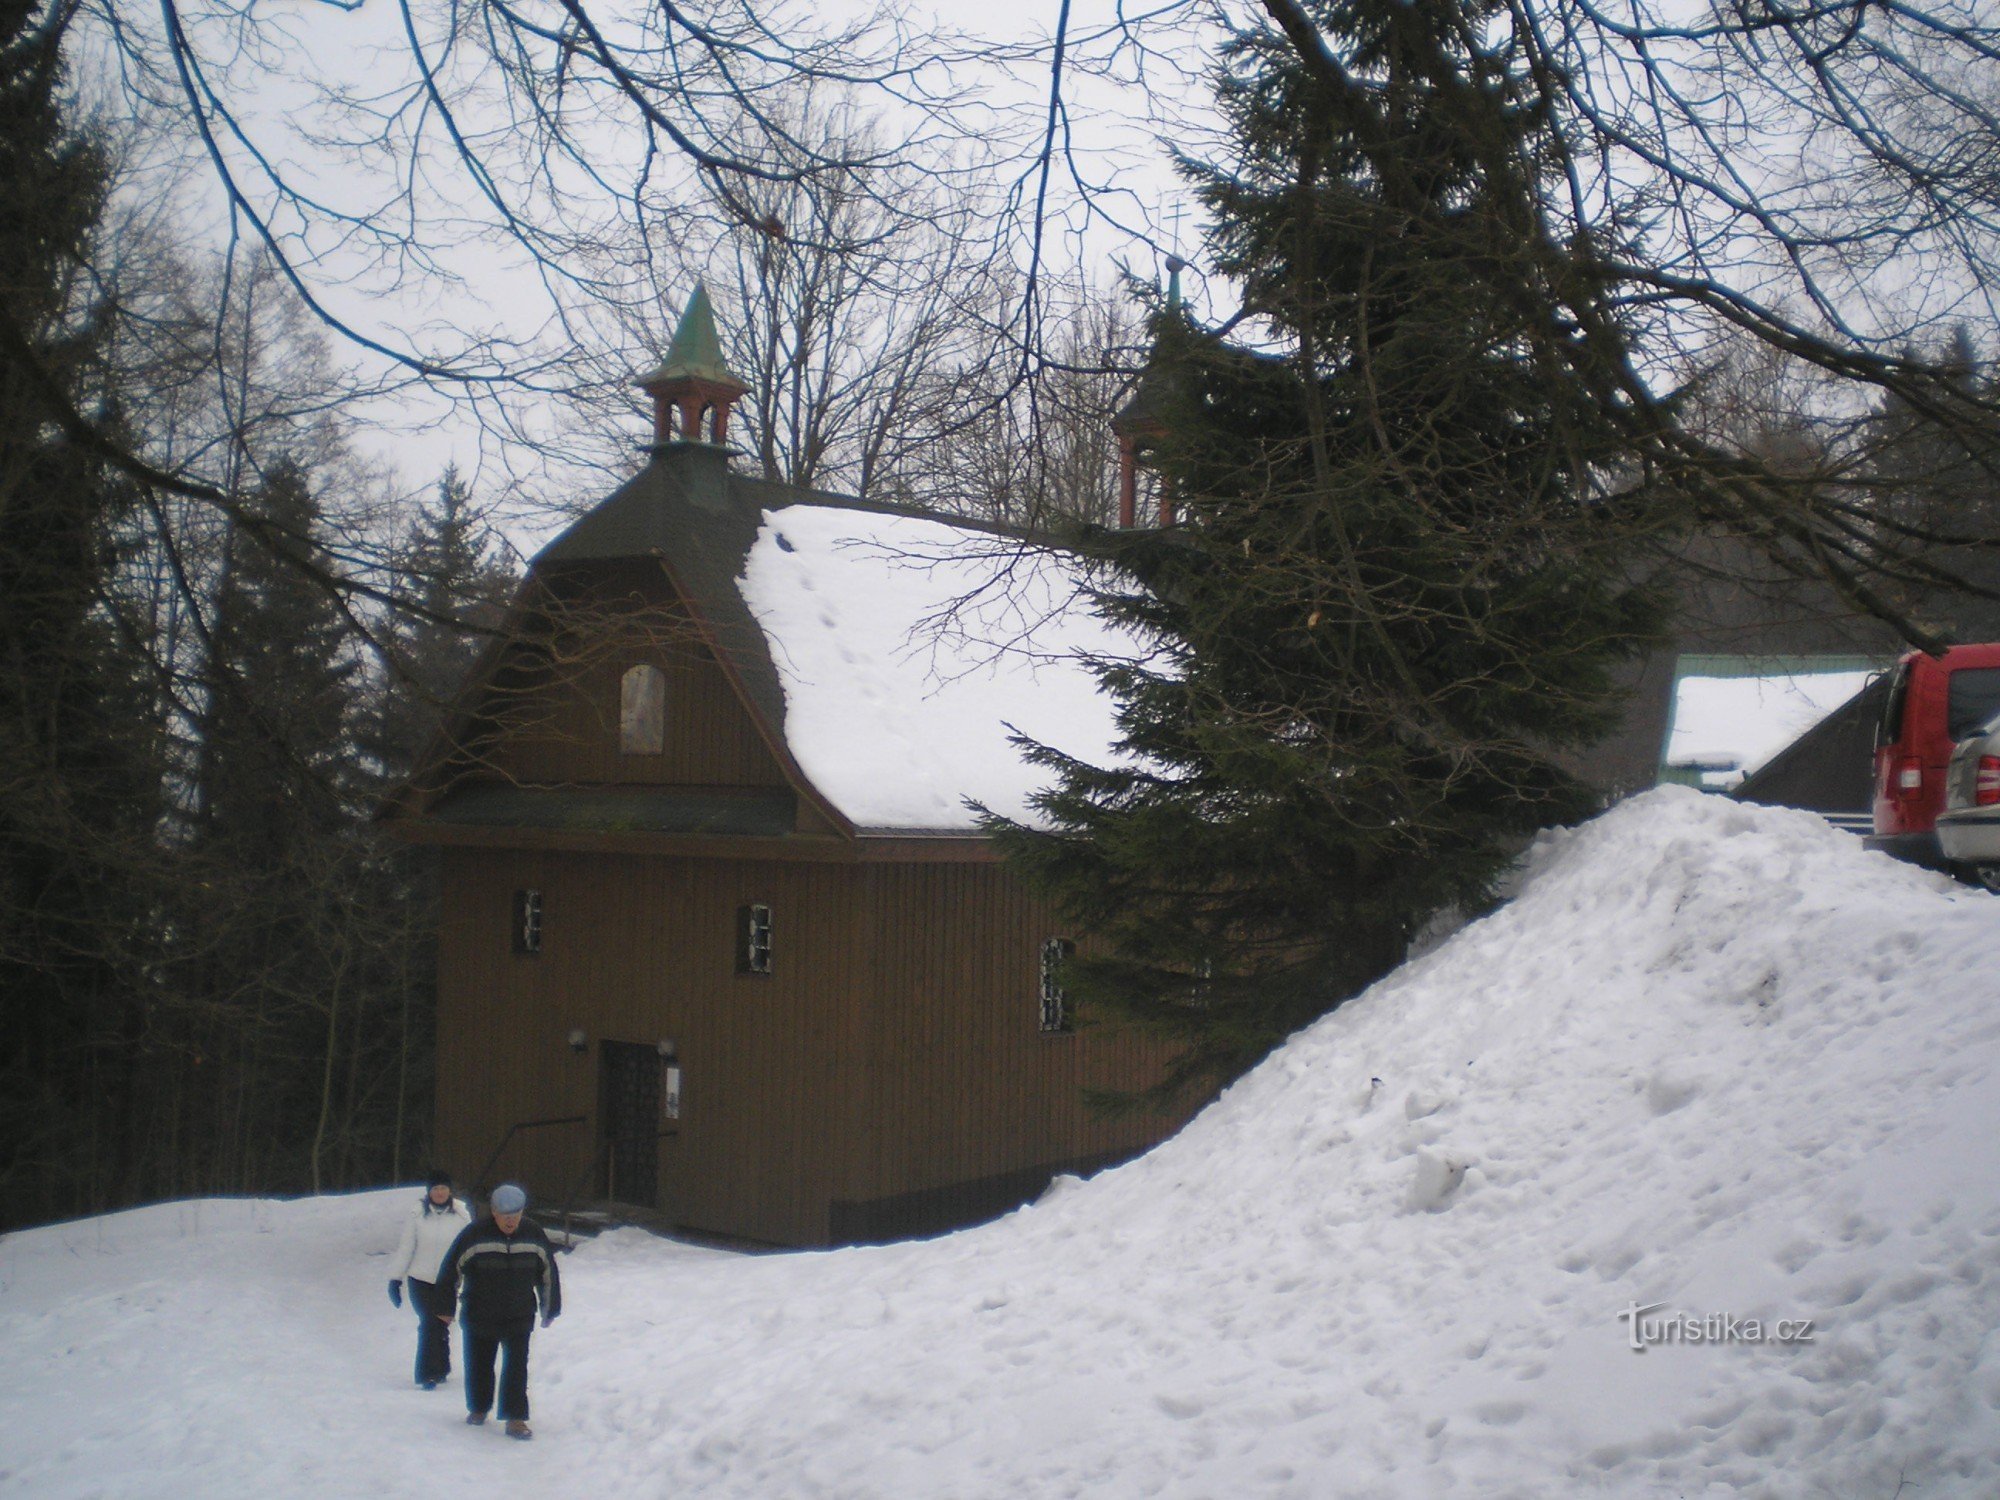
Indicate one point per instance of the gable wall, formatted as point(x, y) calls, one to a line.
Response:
point(559, 722)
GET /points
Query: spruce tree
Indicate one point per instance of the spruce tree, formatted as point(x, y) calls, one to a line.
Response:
point(275, 879)
point(453, 591)
point(1393, 608)
point(282, 681)
point(79, 735)
point(455, 595)
point(1932, 499)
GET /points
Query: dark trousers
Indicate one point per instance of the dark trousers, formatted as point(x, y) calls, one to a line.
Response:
point(433, 1334)
point(510, 1342)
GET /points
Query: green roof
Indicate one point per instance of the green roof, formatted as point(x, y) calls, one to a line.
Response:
point(696, 353)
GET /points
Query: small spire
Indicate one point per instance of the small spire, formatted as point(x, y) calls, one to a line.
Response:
point(694, 388)
point(1147, 417)
point(696, 352)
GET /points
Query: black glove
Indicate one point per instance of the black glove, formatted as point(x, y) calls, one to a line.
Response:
point(396, 1292)
point(548, 1318)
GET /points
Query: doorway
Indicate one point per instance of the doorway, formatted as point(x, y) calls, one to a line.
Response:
point(632, 1111)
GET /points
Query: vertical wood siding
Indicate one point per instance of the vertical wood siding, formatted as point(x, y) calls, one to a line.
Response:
point(567, 725)
point(893, 1049)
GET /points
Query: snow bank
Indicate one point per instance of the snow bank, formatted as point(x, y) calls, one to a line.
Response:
point(910, 650)
point(1712, 1057)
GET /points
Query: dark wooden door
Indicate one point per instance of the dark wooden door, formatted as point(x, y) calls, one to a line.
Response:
point(633, 1073)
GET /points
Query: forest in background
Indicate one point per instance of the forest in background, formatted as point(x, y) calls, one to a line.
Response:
point(218, 976)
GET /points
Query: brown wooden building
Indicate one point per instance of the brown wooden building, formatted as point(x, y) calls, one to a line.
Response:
point(786, 1007)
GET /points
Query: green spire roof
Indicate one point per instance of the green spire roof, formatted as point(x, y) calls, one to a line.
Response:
point(696, 353)
point(1162, 385)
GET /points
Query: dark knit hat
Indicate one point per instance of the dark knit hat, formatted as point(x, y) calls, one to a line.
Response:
point(437, 1175)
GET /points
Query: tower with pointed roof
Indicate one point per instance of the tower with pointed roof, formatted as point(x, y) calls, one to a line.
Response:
point(1142, 422)
point(693, 389)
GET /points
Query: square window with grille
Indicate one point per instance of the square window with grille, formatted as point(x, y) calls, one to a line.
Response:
point(527, 921)
point(1054, 1004)
point(753, 939)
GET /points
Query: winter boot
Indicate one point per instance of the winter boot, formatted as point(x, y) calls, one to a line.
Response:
point(518, 1429)
point(474, 1418)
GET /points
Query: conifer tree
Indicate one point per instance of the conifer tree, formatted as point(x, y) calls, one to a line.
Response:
point(456, 593)
point(1393, 606)
point(276, 882)
point(282, 682)
point(79, 740)
point(1932, 500)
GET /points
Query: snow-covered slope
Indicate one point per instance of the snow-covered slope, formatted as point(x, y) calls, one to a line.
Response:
point(1711, 1057)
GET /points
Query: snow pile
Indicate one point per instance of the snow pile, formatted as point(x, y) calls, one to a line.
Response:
point(1712, 1057)
point(911, 649)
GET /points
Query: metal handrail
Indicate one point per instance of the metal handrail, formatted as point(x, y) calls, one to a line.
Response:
point(480, 1183)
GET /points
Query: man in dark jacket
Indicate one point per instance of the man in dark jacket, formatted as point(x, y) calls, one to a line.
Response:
point(507, 1266)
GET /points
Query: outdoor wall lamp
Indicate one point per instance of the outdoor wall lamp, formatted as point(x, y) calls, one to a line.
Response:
point(578, 1042)
point(665, 1047)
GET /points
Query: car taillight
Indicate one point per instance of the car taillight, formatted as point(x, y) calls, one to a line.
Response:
point(1986, 790)
point(1909, 777)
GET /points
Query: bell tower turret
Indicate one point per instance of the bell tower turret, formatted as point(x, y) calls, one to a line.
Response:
point(1142, 423)
point(693, 390)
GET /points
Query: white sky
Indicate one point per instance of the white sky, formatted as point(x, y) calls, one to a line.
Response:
point(474, 283)
point(478, 284)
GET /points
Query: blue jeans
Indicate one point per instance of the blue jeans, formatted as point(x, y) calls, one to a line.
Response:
point(433, 1333)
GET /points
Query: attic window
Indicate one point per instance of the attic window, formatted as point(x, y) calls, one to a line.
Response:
point(1054, 1003)
point(753, 939)
point(527, 921)
point(642, 711)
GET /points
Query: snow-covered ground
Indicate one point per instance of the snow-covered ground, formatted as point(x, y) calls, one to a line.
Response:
point(1711, 1057)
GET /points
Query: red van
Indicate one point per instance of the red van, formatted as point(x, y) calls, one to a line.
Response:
point(1933, 702)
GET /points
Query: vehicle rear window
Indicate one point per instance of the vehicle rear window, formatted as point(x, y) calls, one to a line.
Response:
point(1891, 728)
point(1972, 696)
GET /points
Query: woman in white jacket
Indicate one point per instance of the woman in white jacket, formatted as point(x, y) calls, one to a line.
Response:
point(427, 1234)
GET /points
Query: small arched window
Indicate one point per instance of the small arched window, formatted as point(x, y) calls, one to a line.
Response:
point(642, 711)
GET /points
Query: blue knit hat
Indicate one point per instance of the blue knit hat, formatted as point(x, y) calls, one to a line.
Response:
point(508, 1199)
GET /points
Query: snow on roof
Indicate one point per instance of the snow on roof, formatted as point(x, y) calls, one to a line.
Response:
point(1740, 722)
point(1713, 1061)
point(909, 651)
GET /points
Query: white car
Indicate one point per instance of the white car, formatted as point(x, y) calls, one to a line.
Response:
point(1969, 827)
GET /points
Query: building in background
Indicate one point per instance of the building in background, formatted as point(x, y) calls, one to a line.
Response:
point(720, 935)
